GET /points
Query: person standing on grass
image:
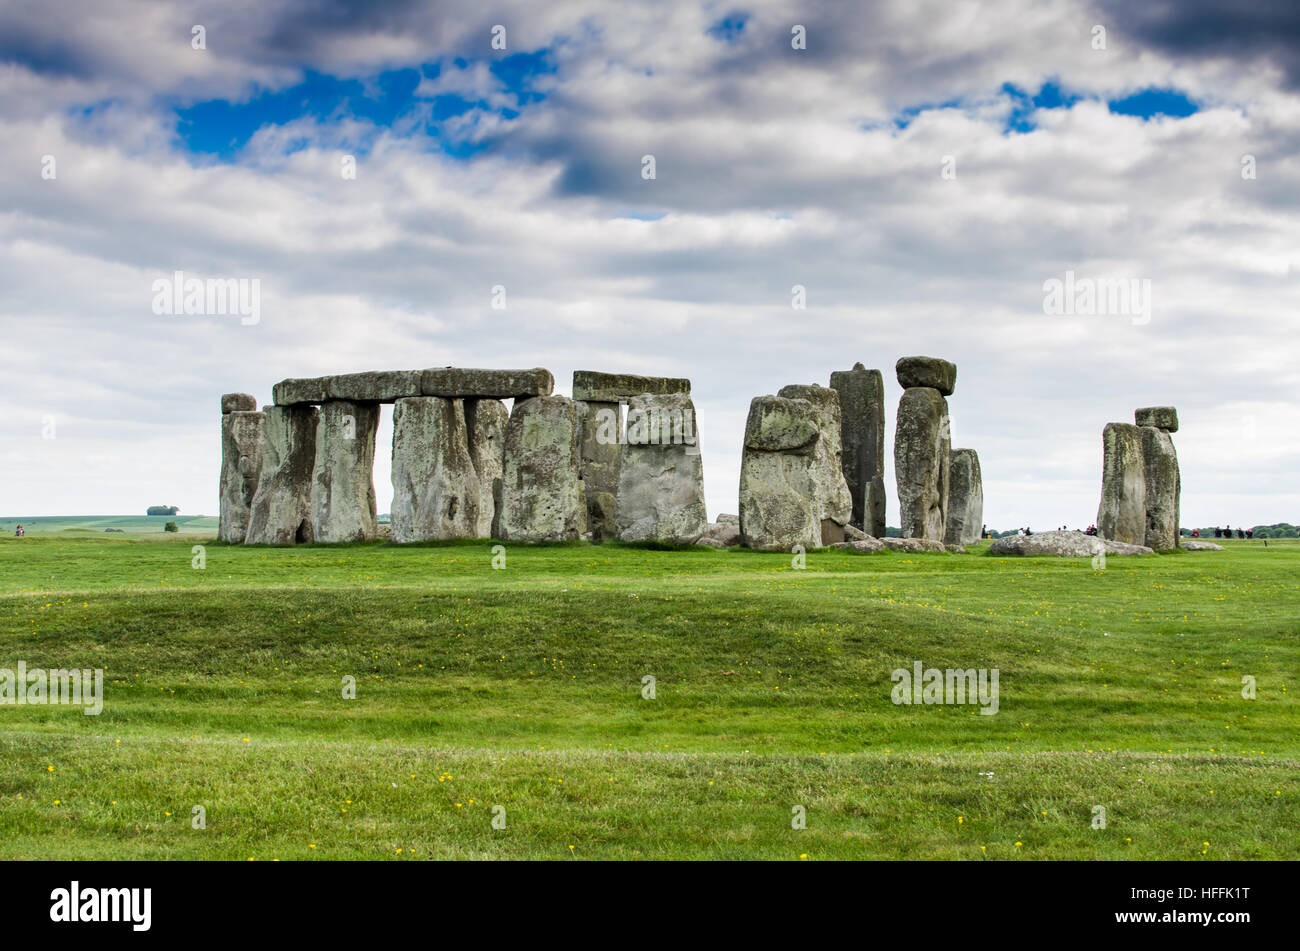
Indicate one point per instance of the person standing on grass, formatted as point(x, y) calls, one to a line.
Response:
point(19, 532)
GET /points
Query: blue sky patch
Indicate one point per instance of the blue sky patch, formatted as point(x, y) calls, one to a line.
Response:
point(221, 128)
point(1155, 102)
point(729, 28)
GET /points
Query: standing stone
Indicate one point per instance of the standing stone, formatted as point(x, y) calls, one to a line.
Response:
point(280, 513)
point(776, 484)
point(832, 503)
point(1161, 488)
point(436, 489)
point(862, 436)
point(922, 460)
point(1121, 516)
point(601, 452)
point(661, 478)
point(485, 422)
point(965, 499)
point(542, 491)
point(241, 466)
point(343, 484)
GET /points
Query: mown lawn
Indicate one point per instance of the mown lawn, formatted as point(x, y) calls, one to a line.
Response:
point(521, 688)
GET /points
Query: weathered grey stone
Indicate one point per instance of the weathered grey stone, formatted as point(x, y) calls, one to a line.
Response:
point(726, 519)
point(238, 403)
point(1123, 548)
point(709, 541)
point(832, 503)
point(922, 459)
point(497, 384)
point(1161, 417)
point(776, 512)
point(436, 488)
point(601, 449)
point(965, 499)
point(862, 436)
point(542, 493)
point(295, 391)
point(852, 534)
point(1162, 488)
point(1062, 545)
point(343, 485)
point(915, 546)
point(777, 494)
point(1192, 544)
point(280, 513)
point(661, 478)
point(931, 372)
point(776, 424)
point(241, 466)
point(485, 422)
point(373, 386)
point(953, 549)
point(1121, 516)
point(727, 533)
point(593, 387)
point(862, 546)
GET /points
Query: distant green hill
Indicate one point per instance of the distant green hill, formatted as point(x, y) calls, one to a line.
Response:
point(100, 524)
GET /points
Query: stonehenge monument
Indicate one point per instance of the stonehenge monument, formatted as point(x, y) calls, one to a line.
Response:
point(965, 498)
point(1140, 482)
point(923, 446)
point(862, 438)
point(463, 466)
point(621, 460)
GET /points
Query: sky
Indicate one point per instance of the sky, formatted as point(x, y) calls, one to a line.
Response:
point(922, 171)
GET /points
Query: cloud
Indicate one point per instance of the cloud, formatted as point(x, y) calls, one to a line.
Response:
point(774, 167)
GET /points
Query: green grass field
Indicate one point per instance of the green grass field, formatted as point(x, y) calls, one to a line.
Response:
point(522, 688)
point(131, 525)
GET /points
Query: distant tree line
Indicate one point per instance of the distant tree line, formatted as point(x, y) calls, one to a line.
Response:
point(163, 510)
point(1280, 530)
